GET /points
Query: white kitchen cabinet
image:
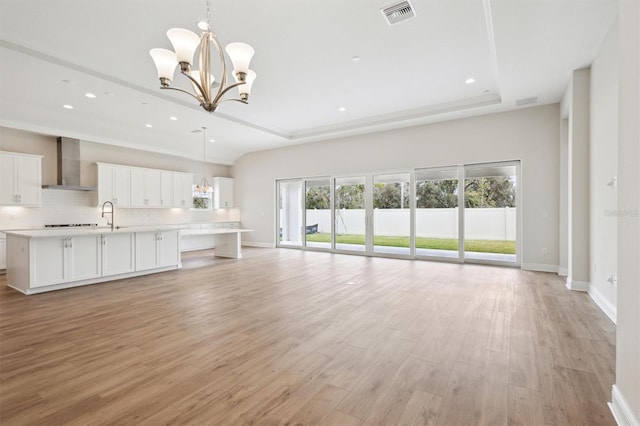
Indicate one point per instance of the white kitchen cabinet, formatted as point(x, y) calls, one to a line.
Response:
point(3, 251)
point(145, 187)
point(222, 193)
point(20, 179)
point(183, 190)
point(118, 254)
point(58, 260)
point(114, 184)
point(166, 189)
point(157, 249)
point(84, 257)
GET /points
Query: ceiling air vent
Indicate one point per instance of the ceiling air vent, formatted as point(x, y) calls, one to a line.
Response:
point(526, 101)
point(398, 12)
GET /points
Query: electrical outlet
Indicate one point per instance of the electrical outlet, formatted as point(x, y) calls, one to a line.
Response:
point(545, 251)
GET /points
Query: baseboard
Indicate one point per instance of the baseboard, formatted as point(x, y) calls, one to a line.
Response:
point(257, 244)
point(540, 267)
point(577, 285)
point(563, 272)
point(621, 410)
point(607, 307)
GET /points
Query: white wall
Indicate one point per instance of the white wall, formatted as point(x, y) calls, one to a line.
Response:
point(530, 135)
point(627, 387)
point(603, 154)
point(578, 99)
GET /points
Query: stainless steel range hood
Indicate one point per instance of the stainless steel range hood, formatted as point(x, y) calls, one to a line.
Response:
point(69, 166)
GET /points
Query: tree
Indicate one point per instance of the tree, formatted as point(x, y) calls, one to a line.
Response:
point(490, 192)
point(437, 194)
point(350, 196)
point(318, 197)
point(390, 196)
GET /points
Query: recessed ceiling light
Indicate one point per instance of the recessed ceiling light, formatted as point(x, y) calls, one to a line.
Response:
point(108, 93)
point(212, 140)
point(66, 81)
point(355, 58)
point(470, 80)
point(148, 125)
point(342, 109)
point(173, 118)
point(486, 91)
point(90, 95)
point(67, 106)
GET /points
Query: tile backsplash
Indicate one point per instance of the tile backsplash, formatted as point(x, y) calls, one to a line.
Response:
point(65, 206)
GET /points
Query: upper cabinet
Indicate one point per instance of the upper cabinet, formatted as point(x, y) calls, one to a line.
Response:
point(145, 187)
point(20, 179)
point(114, 184)
point(137, 187)
point(166, 189)
point(183, 190)
point(222, 193)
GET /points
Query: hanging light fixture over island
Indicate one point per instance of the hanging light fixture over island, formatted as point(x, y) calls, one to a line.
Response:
point(185, 44)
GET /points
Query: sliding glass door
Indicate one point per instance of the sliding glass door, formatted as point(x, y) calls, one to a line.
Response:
point(437, 215)
point(491, 213)
point(290, 219)
point(465, 213)
point(392, 214)
point(318, 213)
point(350, 214)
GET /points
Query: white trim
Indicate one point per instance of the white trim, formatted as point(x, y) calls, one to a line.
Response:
point(257, 244)
point(540, 267)
point(607, 307)
point(577, 285)
point(620, 409)
point(563, 272)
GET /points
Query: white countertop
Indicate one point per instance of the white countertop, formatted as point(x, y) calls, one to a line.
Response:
point(210, 231)
point(68, 232)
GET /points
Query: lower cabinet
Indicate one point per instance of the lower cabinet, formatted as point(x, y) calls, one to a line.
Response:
point(118, 255)
point(61, 261)
point(58, 260)
point(157, 249)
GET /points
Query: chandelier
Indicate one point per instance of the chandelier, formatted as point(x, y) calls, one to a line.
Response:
point(185, 44)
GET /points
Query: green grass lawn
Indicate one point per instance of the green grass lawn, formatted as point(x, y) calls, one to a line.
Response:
point(483, 246)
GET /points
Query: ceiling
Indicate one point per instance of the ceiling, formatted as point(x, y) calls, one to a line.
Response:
point(414, 72)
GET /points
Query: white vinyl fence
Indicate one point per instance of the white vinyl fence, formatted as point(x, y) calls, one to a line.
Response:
point(480, 224)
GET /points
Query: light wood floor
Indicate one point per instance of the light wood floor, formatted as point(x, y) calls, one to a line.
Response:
point(293, 337)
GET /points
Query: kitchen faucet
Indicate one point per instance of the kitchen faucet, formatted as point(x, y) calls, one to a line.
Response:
point(112, 211)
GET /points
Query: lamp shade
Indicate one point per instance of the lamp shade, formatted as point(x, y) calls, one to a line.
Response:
point(246, 87)
point(240, 55)
point(184, 42)
point(165, 61)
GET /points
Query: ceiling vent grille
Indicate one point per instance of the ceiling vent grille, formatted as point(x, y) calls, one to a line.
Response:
point(398, 12)
point(526, 101)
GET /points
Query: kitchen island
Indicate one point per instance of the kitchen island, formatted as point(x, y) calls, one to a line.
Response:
point(45, 260)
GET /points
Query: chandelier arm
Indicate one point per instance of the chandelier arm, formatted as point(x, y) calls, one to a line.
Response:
point(194, 81)
point(223, 64)
point(233, 99)
point(221, 92)
point(183, 91)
